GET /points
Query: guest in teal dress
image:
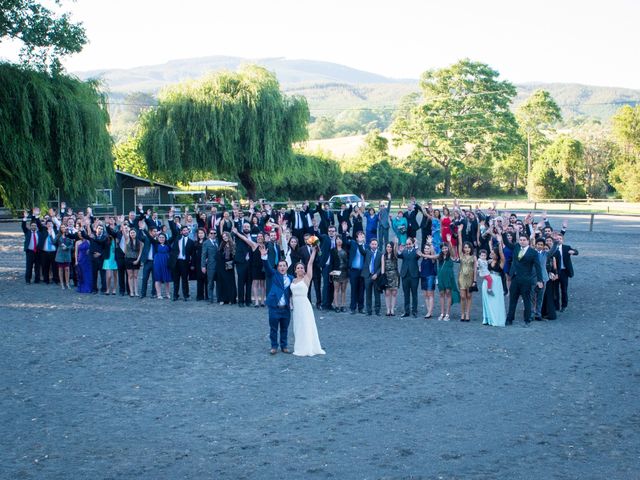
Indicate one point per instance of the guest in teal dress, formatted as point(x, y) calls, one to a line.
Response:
point(400, 226)
point(447, 286)
point(111, 267)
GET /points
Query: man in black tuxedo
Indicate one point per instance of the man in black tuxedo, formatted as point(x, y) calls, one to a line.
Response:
point(371, 270)
point(326, 216)
point(410, 274)
point(305, 253)
point(32, 248)
point(357, 255)
point(344, 215)
point(327, 243)
point(565, 271)
point(297, 219)
point(180, 259)
point(525, 273)
point(241, 261)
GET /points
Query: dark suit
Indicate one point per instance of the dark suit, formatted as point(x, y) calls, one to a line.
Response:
point(368, 271)
point(326, 218)
point(410, 274)
point(147, 263)
point(525, 272)
point(298, 224)
point(241, 260)
point(180, 266)
point(99, 251)
point(279, 315)
point(565, 272)
point(326, 245)
point(356, 280)
point(32, 252)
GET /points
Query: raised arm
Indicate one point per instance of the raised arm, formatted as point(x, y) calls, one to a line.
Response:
point(460, 242)
point(244, 238)
point(309, 275)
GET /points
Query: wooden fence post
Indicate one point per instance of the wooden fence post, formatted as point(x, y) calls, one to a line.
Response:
point(591, 223)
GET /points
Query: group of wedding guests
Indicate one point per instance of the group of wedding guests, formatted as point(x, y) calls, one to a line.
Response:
point(455, 251)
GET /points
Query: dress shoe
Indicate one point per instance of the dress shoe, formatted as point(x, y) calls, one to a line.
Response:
point(526, 324)
point(273, 351)
point(361, 311)
point(563, 309)
point(286, 350)
point(353, 312)
point(404, 315)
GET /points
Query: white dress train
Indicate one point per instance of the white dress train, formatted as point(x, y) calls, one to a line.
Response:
point(307, 342)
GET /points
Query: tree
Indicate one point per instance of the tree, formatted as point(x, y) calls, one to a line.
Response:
point(538, 111)
point(235, 124)
point(560, 172)
point(46, 35)
point(52, 134)
point(625, 176)
point(599, 153)
point(464, 112)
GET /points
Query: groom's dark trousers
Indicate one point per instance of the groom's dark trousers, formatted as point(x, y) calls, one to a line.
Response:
point(279, 318)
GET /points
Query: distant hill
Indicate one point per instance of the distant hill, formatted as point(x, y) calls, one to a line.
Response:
point(331, 88)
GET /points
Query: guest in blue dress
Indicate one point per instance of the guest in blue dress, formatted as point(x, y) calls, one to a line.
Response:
point(83, 265)
point(493, 308)
point(436, 238)
point(161, 273)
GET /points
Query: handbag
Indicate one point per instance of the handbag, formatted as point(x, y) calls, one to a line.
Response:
point(473, 287)
point(228, 265)
point(381, 282)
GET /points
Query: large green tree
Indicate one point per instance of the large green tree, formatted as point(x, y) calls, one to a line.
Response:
point(625, 176)
point(233, 124)
point(53, 133)
point(463, 113)
point(46, 35)
point(538, 112)
point(560, 172)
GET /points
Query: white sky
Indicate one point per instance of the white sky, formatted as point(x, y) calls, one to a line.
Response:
point(590, 42)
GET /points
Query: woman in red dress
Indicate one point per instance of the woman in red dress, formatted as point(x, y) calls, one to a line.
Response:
point(445, 226)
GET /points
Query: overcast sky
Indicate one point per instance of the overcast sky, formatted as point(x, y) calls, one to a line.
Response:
point(590, 42)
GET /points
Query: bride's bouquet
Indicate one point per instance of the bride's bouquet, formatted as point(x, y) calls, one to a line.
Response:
point(313, 241)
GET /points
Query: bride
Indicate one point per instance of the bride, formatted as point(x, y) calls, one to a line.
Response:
point(307, 342)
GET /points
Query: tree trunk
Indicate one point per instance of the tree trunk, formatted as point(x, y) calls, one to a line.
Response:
point(528, 163)
point(515, 185)
point(248, 183)
point(447, 181)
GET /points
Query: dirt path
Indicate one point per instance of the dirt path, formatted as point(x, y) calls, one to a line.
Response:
point(111, 387)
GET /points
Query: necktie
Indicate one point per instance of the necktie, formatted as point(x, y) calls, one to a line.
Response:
point(184, 245)
point(35, 242)
point(521, 254)
point(276, 250)
point(373, 258)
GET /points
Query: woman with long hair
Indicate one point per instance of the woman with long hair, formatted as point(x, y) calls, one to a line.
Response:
point(256, 268)
point(493, 309)
point(447, 287)
point(161, 273)
point(109, 265)
point(339, 263)
point(400, 226)
point(466, 276)
point(428, 275)
point(436, 238)
point(83, 262)
point(225, 272)
point(196, 261)
point(389, 268)
point(63, 256)
point(132, 253)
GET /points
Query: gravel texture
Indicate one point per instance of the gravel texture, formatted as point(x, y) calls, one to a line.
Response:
point(111, 387)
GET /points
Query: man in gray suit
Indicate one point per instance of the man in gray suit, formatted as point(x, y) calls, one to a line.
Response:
point(147, 237)
point(410, 275)
point(371, 270)
point(208, 262)
point(383, 223)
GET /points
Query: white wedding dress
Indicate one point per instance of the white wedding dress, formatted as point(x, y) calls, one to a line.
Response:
point(307, 342)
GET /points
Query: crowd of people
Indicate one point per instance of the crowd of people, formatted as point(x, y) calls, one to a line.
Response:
point(375, 252)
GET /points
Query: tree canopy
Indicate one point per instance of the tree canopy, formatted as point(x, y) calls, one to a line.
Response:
point(45, 35)
point(234, 124)
point(464, 113)
point(625, 176)
point(53, 133)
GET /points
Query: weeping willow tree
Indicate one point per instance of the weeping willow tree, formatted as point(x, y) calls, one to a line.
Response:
point(53, 133)
point(232, 124)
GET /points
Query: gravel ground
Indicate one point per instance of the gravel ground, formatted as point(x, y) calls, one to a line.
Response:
point(111, 387)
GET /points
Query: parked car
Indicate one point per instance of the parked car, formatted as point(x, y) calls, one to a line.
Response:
point(349, 199)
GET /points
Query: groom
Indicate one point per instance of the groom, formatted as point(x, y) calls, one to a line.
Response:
point(278, 300)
